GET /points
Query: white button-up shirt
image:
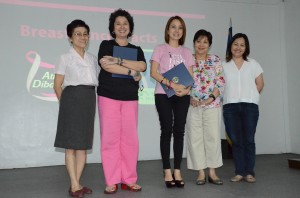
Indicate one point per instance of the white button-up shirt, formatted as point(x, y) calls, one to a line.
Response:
point(78, 70)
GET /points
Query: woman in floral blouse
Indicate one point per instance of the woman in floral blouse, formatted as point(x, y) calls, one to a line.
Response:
point(204, 116)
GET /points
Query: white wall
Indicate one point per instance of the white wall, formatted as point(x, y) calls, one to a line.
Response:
point(28, 124)
point(292, 36)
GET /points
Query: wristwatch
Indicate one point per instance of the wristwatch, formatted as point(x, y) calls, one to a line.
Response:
point(212, 96)
point(136, 74)
point(129, 72)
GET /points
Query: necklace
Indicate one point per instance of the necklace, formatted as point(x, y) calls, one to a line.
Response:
point(201, 58)
point(200, 63)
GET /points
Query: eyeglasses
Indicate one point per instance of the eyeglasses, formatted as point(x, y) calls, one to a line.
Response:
point(79, 34)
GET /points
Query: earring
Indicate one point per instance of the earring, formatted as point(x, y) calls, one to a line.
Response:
point(113, 32)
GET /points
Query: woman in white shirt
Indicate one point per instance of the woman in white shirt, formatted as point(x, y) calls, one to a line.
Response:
point(244, 82)
point(77, 72)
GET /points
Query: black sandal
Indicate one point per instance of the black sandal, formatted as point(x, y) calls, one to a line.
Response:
point(169, 184)
point(178, 183)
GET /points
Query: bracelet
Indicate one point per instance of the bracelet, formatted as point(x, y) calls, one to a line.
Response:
point(136, 74)
point(120, 61)
point(162, 80)
point(212, 96)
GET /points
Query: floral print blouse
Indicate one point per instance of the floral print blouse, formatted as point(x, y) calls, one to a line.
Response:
point(208, 75)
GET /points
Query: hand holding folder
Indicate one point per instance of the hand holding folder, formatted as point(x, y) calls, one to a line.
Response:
point(179, 75)
point(124, 53)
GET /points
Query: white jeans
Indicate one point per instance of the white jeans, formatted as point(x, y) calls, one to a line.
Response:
point(203, 138)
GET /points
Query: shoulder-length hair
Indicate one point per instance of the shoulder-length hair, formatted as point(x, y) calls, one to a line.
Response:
point(167, 37)
point(247, 45)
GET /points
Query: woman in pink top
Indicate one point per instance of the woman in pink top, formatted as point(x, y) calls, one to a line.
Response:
point(172, 111)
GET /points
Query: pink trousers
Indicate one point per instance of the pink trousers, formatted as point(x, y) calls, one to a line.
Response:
point(119, 140)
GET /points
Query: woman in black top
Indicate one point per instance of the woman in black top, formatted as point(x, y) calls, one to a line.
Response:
point(118, 105)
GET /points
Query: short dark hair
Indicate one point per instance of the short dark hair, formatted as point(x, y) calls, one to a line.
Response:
point(247, 45)
point(201, 33)
point(167, 37)
point(112, 19)
point(74, 24)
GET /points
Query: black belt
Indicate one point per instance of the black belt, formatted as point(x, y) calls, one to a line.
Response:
point(82, 86)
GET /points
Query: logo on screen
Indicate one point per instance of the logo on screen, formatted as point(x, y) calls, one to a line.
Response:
point(40, 78)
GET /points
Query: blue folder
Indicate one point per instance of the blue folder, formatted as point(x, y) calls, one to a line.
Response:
point(124, 53)
point(178, 74)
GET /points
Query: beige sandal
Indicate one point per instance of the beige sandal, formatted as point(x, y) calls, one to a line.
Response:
point(111, 189)
point(250, 179)
point(236, 178)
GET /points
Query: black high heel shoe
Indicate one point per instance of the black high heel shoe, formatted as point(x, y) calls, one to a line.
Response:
point(169, 184)
point(178, 183)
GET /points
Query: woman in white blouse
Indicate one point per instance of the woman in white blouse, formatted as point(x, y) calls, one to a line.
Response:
point(77, 72)
point(244, 82)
